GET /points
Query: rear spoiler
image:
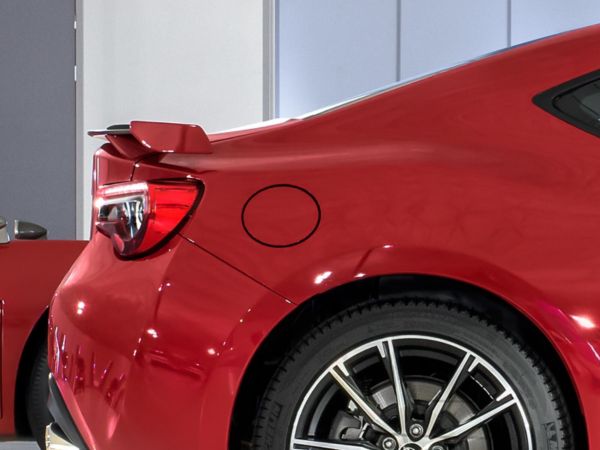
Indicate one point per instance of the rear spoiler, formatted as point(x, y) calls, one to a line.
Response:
point(160, 137)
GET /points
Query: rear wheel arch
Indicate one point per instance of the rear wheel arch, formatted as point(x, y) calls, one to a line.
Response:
point(443, 290)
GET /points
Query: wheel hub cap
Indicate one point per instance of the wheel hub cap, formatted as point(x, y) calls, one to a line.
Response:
point(411, 447)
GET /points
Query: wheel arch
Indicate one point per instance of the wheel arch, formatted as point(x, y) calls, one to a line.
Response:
point(381, 288)
point(37, 336)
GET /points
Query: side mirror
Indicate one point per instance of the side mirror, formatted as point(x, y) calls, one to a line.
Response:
point(29, 231)
point(4, 238)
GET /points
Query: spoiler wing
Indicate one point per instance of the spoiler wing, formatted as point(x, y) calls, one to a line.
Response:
point(160, 137)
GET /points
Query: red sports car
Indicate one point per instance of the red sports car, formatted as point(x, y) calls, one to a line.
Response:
point(414, 270)
point(30, 271)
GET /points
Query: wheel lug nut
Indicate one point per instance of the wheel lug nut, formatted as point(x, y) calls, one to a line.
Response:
point(416, 431)
point(389, 443)
point(438, 447)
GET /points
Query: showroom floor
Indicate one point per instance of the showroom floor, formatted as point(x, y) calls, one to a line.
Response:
point(19, 446)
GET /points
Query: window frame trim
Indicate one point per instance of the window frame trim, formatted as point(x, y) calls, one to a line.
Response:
point(547, 100)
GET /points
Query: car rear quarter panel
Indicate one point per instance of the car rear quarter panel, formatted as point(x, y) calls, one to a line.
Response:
point(151, 351)
point(458, 175)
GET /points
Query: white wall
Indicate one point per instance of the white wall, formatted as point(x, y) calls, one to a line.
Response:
point(330, 50)
point(441, 33)
point(532, 19)
point(193, 61)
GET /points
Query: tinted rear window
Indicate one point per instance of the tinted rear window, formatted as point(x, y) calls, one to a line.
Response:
point(582, 104)
point(576, 102)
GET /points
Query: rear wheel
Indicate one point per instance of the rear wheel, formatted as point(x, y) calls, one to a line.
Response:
point(38, 415)
point(412, 376)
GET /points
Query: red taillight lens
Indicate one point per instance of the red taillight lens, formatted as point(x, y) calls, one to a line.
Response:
point(140, 216)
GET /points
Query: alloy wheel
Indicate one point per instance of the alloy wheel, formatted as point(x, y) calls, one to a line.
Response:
point(411, 392)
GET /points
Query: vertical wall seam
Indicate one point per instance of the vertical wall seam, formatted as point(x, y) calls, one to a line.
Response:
point(276, 58)
point(399, 40)
point(509, 24)
point(269, 45)
point(79, 130)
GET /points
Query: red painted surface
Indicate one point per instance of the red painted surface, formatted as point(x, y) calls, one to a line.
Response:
point(110, 166)
point(458, 175)
point(30, 271)
point(171, 137)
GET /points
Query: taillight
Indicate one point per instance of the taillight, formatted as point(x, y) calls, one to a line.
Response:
point(140, 216)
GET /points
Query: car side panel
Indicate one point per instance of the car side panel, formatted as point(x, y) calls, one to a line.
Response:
point(30, 272)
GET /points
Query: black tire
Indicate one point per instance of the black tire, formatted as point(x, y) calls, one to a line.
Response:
point(36, 399)
point(541, 401)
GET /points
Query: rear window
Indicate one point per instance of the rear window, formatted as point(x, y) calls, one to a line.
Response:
point(577, 102)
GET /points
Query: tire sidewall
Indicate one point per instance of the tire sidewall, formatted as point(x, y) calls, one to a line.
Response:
point(38, 415)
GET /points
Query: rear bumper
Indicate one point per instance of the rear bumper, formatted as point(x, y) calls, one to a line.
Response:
point(56, 440)
point(150, 353)
point(62, 434)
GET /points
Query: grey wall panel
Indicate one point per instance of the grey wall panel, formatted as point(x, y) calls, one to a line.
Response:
point(37, 113)
point(439, 33)
point(334, 49)
point(533, 19)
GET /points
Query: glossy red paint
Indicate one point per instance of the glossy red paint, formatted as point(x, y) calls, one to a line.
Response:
point(168, 323)
point(171, 137)
point(109, 164)
point(458, 175)
point(30, 271)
